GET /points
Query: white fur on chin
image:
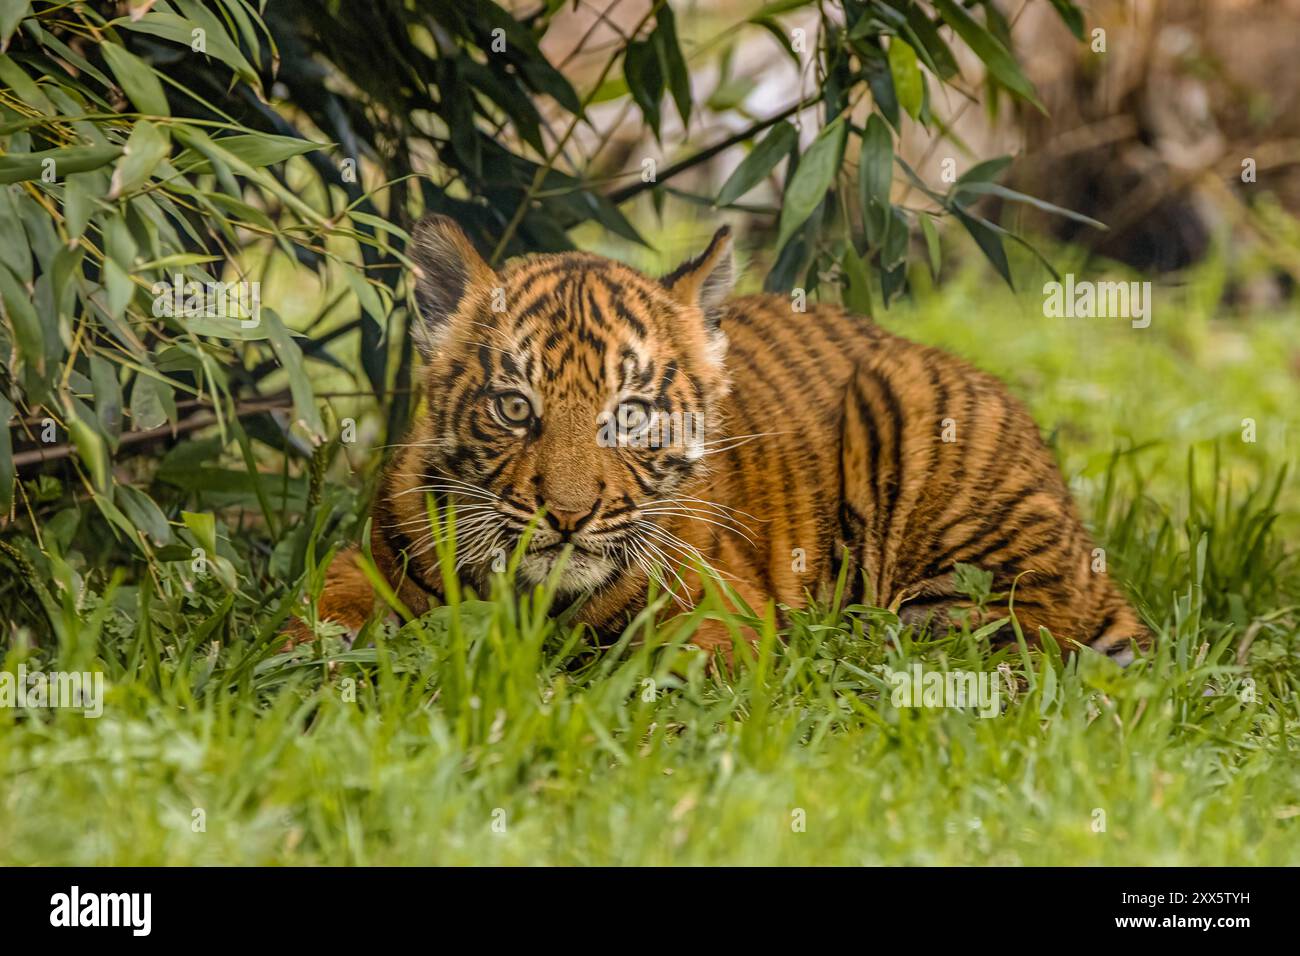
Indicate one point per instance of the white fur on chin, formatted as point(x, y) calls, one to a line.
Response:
point(582, 573)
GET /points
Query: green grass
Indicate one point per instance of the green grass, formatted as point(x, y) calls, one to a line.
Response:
point(489, 733)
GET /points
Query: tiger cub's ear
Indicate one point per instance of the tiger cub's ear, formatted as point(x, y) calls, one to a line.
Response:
point(706, 280)
point(447, 266)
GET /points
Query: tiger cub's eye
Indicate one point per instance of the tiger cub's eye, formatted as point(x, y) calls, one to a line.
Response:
point(514, 408)
point(633, 417)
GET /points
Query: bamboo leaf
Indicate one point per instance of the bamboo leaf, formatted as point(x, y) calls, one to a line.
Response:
point(908, 81)
point(875, 175)
point(108, 397)
point(146, 147)
point(14, 249)
point(152, 403)
point(290, 357)
point(92, 450)
point(367, 295)
point(755, 167)
point(11, 14)
point(120, 288)
point(858, 294)
point(20, 167)
point(144, 514)
point(994, 189)
point(988, 240)
point(79, 202)
point(1000, 63)
point(262, 149)
point(137, 79)
point(28, 90)
point(204, 528)
point(811, 180)
point(671, 62)
point(205, 37)
point(986, 171)
point(1071, 15)
point(23, 320)
point(924, 30)
point(645, 80)
point(931, 243)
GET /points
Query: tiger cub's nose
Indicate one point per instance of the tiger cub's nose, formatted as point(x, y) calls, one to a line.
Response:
point(569, 520)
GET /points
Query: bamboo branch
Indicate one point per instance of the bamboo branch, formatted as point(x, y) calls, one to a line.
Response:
point(246, 409)
point(620, 196)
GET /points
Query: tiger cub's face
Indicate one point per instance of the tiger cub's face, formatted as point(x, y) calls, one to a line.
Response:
point(566, 386)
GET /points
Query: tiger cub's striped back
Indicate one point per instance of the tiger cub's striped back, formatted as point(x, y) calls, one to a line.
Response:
point(913, 461)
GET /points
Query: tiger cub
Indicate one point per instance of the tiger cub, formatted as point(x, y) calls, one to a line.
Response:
point(660, 429)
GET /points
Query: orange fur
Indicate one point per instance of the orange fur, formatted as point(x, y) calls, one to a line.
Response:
point(824, 438)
